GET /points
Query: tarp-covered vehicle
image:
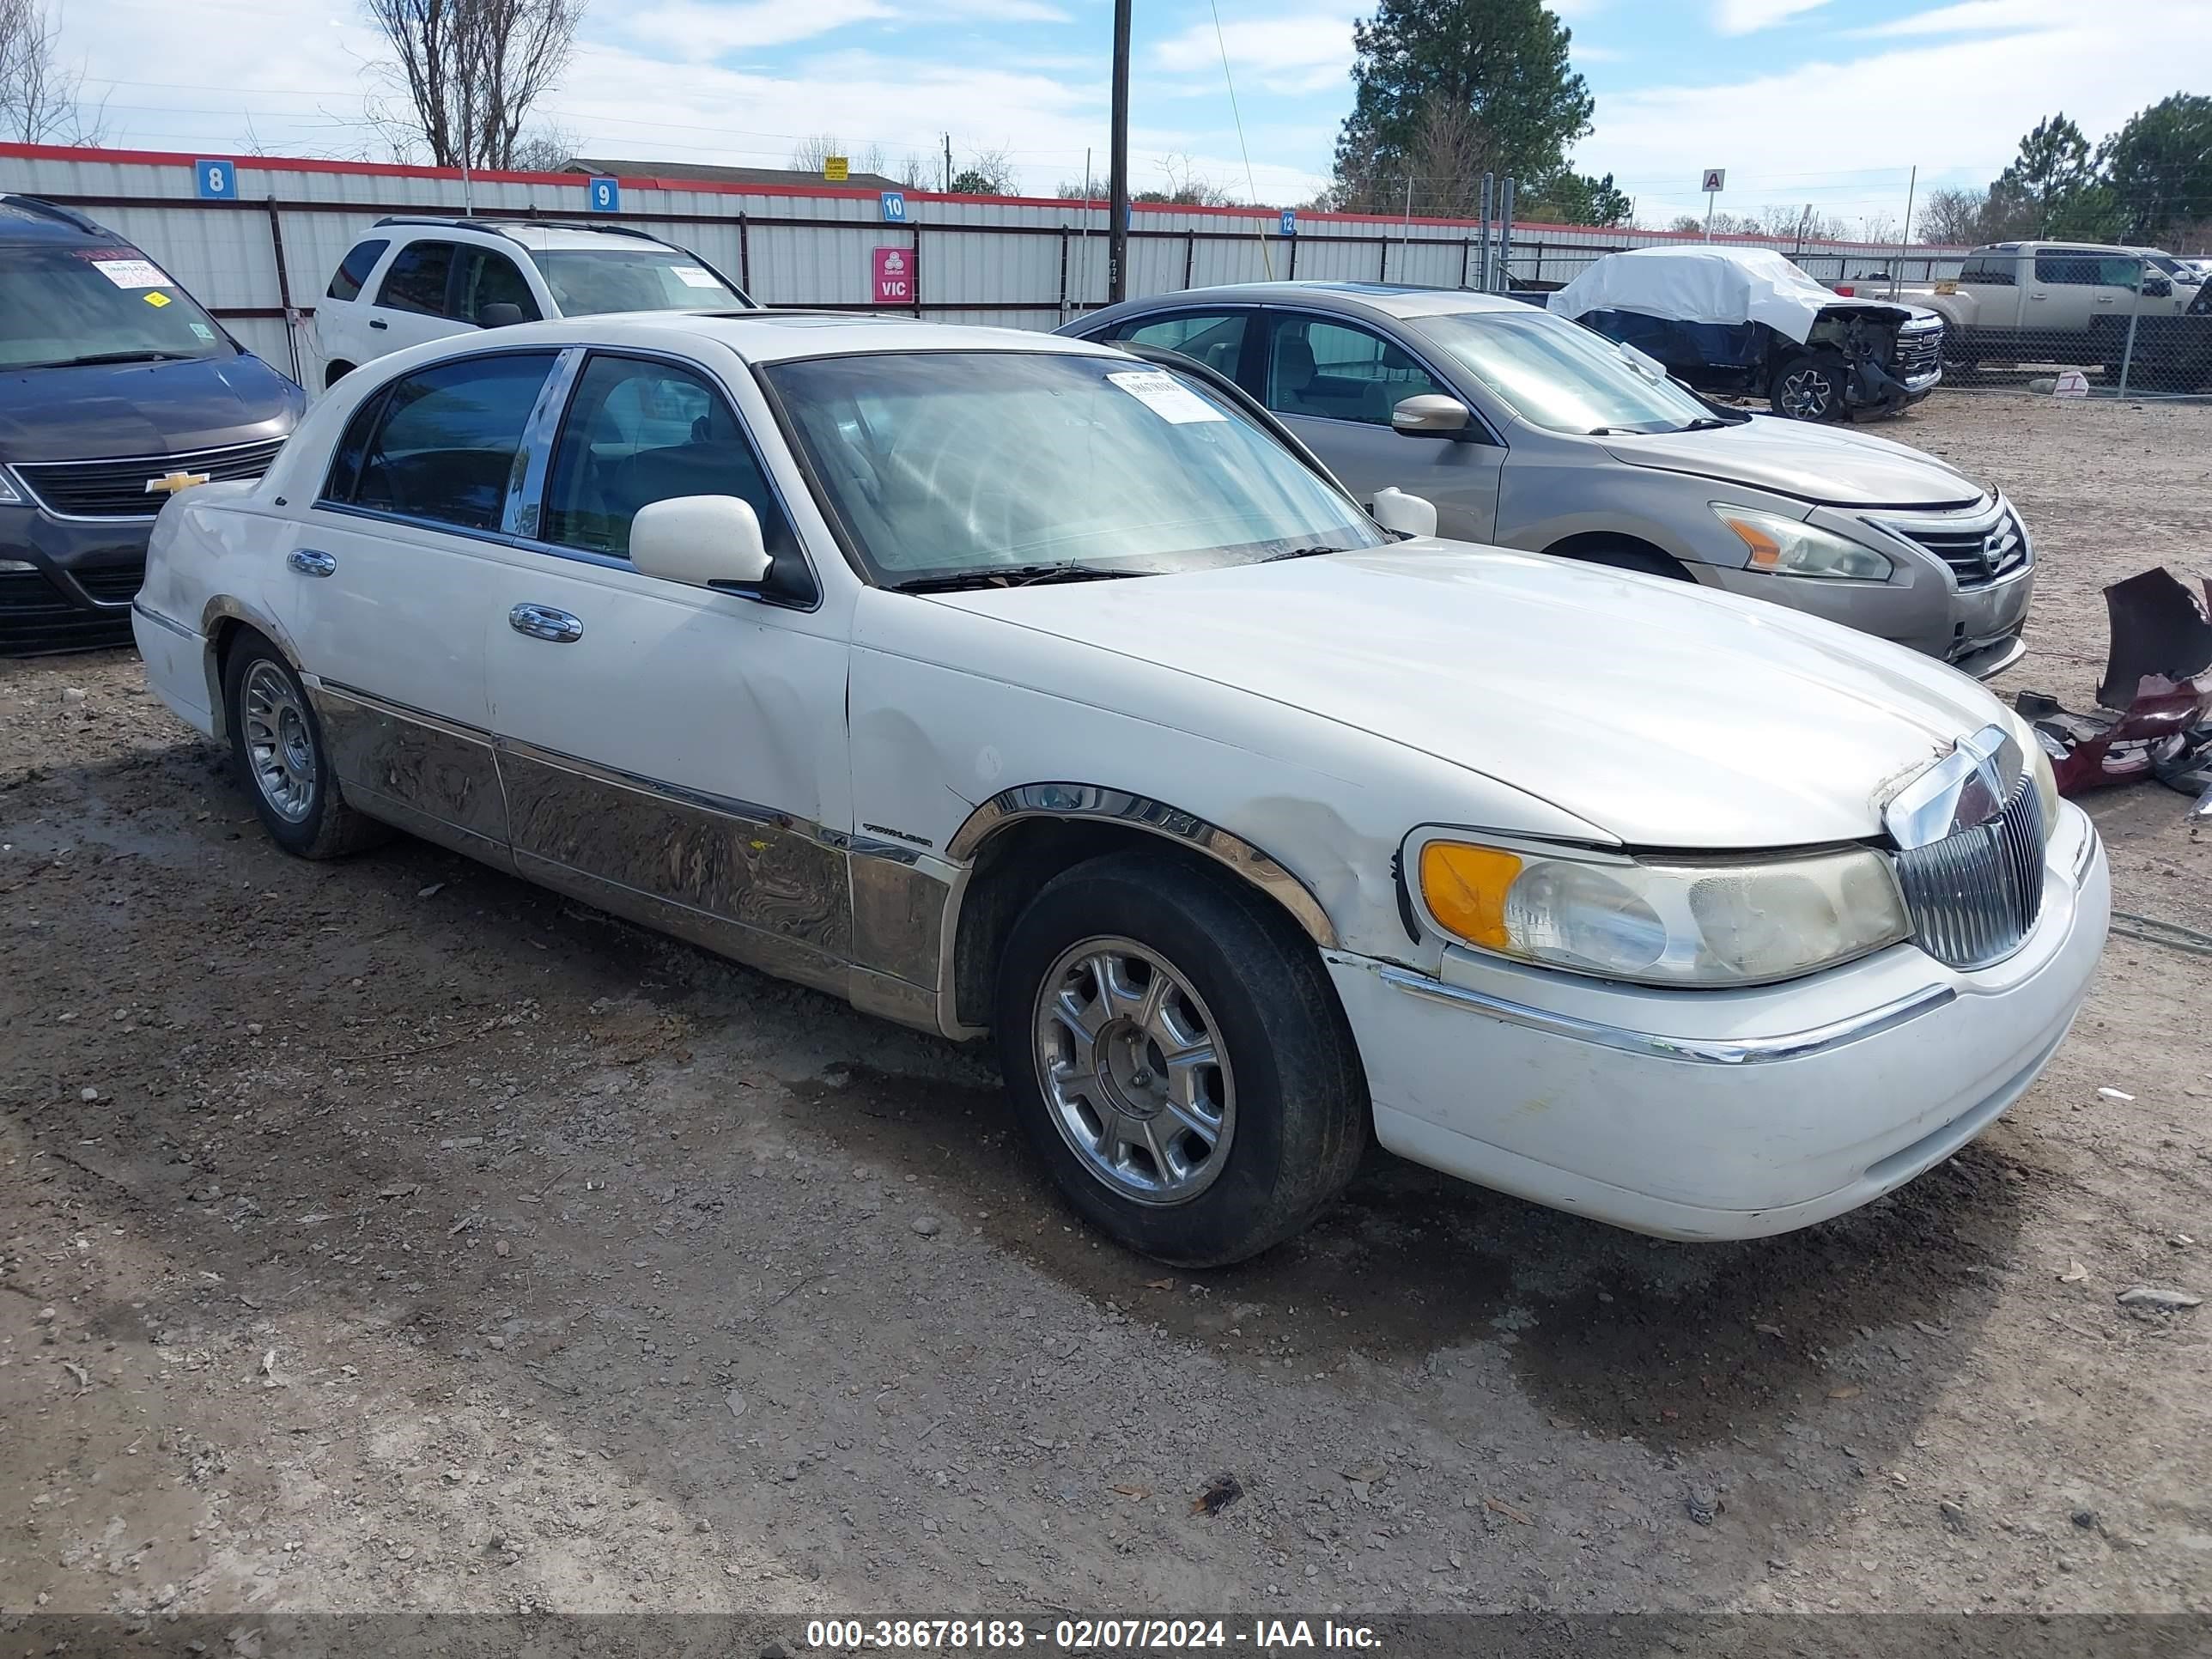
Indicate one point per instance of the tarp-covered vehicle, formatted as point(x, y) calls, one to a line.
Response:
point(1734, 319)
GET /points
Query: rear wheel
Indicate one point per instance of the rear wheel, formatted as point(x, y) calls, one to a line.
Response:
point(1809, 387)
point(276, 744)
point(1177, 1059)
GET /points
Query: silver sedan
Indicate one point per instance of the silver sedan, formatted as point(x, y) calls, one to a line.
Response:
point(1528, 431)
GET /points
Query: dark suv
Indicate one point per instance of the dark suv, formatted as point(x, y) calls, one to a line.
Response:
point(116, 392)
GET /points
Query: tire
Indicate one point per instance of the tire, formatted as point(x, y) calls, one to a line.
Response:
point(1626, 556)
point(1809, 387)
point(283, 764)
point(1286, 1099)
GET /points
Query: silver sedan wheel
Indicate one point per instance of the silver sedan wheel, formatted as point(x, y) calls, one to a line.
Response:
point(1133, 1072)
point(279, 746)
point(1807, 394)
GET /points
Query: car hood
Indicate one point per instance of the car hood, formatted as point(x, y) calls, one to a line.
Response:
point(1797, 458)
point(105, 409)
point(1666, 714)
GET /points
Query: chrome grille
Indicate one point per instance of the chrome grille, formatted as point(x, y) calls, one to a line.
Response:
point(116, 488)
point(1978, 552)
point(1919, 351)
point(1974, 895)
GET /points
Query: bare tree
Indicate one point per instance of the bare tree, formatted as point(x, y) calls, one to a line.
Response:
point(917, 171)
point(41, 100)
point(987, 173)
point(472, 71)
point(1880, 227)
point(1186, 184)
point(547, 148)
point(1954, 217)
point(809, 154)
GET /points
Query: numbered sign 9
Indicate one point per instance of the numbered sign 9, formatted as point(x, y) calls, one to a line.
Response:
point(606, 195)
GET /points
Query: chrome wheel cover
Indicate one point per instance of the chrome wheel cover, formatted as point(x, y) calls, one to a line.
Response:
point(1807, 394)
point(280, 749)
point(1133, 1072)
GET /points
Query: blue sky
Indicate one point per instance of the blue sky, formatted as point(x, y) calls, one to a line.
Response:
point(1830, 102)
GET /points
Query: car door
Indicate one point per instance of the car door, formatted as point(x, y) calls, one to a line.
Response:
point(342, 317)
point(1334, 381)
point(675, 754)
point(2062, 299)
point(389, 575)
point(409, 307)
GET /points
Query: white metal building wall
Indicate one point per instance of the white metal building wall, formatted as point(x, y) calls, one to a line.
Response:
point(1015, 262)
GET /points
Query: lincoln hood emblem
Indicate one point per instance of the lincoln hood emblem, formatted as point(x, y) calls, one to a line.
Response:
point(1964, 790)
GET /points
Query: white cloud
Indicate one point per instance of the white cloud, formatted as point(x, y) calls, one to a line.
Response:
point(1745, 17)
point(1992, 90)
point(698, 30)
point(1967, 17)
point(1309, 51)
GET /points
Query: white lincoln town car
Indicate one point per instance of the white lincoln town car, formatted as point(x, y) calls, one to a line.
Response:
point(1009, 684)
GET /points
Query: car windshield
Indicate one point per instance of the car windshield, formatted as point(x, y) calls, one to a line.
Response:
point(1560, 375)
point(61, 307)
point(586, 281)
point(1018, 464)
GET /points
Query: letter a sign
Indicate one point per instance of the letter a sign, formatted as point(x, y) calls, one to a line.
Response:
point(1716, 180)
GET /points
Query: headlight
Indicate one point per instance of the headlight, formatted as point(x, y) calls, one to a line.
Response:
point(1719, 920)
point(1784, 547)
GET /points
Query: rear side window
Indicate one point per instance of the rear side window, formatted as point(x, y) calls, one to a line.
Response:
point(1995, 274)
point(2073, 270)
point(1213, 337)
point(351, 275)
point(416, 280)
point(443, 444)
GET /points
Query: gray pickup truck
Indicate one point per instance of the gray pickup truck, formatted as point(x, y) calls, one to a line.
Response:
point(2049, 303)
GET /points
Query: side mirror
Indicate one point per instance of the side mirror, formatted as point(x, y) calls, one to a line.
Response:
point(500, 314)
point(705, 541)
point(2157, 287)
point(1395, 509)
point(1430, 416)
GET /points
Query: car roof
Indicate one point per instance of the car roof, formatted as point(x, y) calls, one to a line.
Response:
point(767, 337)
point(25, 219)
point(1385, 299)
point(539, 236)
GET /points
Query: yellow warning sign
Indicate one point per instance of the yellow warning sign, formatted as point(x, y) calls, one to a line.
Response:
point(836, 169)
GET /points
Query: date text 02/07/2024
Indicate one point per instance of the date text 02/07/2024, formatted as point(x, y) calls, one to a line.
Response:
point(1083, 1635)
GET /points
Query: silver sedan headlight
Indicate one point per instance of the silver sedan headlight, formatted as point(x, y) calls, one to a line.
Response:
point(1713, 921)
point(1783, 546)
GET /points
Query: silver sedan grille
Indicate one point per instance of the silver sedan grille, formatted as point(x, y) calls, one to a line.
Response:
point(1974, 895)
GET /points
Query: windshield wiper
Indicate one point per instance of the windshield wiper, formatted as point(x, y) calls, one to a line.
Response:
point(1706, 423)
point(115, 357)
point(1301, 553)
point(1011, 575)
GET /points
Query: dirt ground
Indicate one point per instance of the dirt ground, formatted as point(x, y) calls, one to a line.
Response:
point(393, 1235)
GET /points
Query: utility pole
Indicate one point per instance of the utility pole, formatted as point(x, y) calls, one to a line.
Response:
point(948, 164)
point(1117, 166)
point(1904, 236)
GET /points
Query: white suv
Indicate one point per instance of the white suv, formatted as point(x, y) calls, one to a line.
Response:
point(413, 280)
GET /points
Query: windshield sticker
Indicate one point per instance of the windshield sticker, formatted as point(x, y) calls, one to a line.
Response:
point(1165, 396)
point(202, 330)
point(695, 277)
point(131, 273)
point(157, 301)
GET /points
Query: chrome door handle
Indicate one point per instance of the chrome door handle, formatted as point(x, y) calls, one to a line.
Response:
point(310, 562)
point(543, 622)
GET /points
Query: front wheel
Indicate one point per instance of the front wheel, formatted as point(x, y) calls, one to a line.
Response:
point(1809, 387)
point(1178, 1058)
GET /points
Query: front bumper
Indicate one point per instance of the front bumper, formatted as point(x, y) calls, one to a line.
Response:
point(1723, 1114)
point(78, 594)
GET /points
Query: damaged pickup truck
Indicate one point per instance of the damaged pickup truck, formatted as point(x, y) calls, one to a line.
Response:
point(1009, 685)
point(1746, 320)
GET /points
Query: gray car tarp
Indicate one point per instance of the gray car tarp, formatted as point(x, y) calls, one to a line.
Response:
point(1700, 283)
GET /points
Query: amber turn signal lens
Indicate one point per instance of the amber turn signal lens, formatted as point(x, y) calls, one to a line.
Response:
point(1464, 888)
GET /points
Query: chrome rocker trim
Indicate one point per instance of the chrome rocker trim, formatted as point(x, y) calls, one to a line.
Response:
point(1703, 1051)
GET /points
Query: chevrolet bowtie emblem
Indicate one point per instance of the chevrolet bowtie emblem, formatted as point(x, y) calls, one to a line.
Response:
point(170, 483)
